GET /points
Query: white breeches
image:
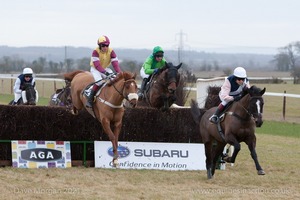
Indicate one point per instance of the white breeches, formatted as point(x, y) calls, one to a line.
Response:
point(98, 75)
point(142, 73)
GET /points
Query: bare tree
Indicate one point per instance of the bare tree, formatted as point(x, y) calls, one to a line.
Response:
point(287, 57)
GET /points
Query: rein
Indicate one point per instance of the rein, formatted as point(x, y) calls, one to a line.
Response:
point(119, 92)
point(248, 117)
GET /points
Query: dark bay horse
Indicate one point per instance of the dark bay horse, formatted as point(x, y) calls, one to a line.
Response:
point(108, 108)
point(29, 96)
point(62, 96)
point(160, 92)
point(238, 125)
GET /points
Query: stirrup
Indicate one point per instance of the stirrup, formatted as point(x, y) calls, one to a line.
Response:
point(87, 92)
point(90, 100)
point(214, 119)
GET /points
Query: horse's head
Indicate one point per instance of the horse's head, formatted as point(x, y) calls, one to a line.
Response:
point(256, 104)
point(172, 77)
point(129, 87)
point(30, 95)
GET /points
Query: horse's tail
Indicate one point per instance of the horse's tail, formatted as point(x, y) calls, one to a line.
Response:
point(195, 111)
point(69, 76)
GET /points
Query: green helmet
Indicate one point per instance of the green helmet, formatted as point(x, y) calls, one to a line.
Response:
point(157, 49)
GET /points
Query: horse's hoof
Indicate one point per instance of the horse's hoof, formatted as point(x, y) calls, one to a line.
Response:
point(209, 174)
point(209, 177)
point(116, 164)
point(261, 172)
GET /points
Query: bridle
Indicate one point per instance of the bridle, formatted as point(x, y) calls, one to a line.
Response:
point(123, 88)
point(128, 97)
point(249, 113)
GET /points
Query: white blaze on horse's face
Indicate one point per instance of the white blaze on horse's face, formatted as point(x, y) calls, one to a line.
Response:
point(258, 106)
point(132, 96)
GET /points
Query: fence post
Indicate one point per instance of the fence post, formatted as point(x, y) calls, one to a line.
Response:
point(284, 105)
point(54, 85)
point(11, 85)
point(43, 90)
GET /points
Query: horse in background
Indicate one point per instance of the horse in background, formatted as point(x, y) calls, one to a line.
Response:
point(108, 108)
point(29, 96)
point(62, 96)
point(160, 91)
point(237, 125)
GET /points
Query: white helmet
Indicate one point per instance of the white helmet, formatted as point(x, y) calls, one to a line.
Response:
point(27, 71)
point(240, 72)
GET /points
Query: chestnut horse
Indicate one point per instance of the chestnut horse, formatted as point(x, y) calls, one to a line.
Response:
point(160, 92)
point(237, 125)
point(108, 108)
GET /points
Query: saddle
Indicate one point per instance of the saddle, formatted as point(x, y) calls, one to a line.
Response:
point(88, 88)
point(147, 86)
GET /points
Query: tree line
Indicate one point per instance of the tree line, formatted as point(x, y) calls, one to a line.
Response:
point(41, 65)
point(287, 59)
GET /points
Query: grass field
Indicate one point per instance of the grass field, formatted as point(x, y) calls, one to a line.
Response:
point(278, 155)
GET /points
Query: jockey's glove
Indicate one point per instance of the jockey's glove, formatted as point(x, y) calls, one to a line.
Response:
point(106, 73)
point(155, 71)
point(237, 98)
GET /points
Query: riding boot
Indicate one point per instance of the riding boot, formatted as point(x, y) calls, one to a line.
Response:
point(215, 117)
point(143, 86)
point(90, 97)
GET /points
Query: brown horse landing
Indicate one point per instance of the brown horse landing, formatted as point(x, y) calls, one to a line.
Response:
point(62, 97)
point(238, 125)
point(161, 90)
point(108, 108)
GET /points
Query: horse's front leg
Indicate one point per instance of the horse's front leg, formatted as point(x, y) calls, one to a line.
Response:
point(166, 103)
point(230, 139)
point(251, 147)
point(112, 138)
point(117, 130)
point(237, 148)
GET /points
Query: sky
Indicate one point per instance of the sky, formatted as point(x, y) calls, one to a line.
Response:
point(260, 26)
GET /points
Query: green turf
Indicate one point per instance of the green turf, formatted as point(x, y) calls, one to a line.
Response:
point(5, 99)
point(280, 128)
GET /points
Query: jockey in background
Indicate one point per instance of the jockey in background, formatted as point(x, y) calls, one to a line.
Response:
point(231, 90)
point(154, 62)
point(102, 57)
point(23, 80)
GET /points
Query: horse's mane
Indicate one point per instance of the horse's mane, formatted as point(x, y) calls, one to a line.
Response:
point(69, 76)
point(253, 90)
